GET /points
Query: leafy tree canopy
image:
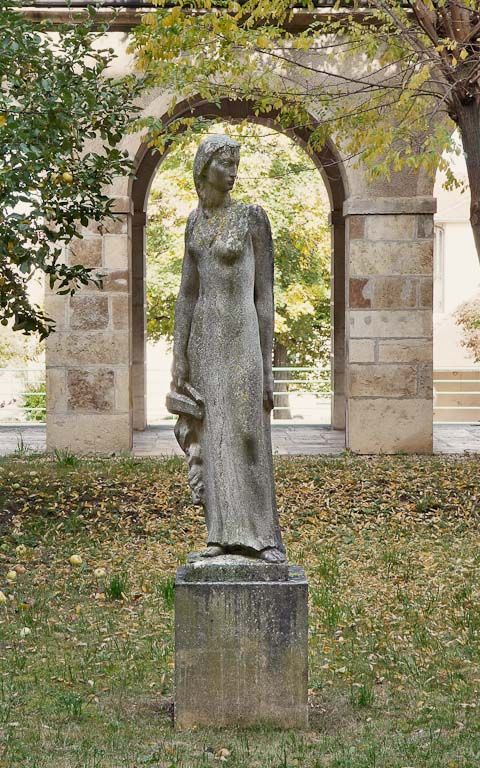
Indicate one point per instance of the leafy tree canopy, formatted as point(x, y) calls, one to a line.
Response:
point(278, 175)
point(55, 98)
point(416, 73)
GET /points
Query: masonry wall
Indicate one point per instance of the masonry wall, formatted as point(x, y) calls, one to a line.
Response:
point(383, 313)
point(389, 324)
point(88, 358)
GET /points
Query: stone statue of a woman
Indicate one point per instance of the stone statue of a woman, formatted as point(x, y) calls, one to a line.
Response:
point(222, 382)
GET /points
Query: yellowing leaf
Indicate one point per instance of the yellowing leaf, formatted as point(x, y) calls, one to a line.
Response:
point(263, 42)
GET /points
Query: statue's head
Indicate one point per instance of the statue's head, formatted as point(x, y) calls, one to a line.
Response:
point(216, 164)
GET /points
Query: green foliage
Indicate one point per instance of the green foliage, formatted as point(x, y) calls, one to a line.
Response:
point(166, 588)
point(117, 587)
point(281, 177)
point(467, 317)
point(415, 74)
point(17, 349)
point(65, 458)
point(55, 99)
point(7, 352)
point(34, 401)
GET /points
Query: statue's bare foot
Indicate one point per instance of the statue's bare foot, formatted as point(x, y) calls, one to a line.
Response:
point(213, 550)
point(272, 555)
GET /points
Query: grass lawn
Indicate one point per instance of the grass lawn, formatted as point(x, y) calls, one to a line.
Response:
point(391, 549)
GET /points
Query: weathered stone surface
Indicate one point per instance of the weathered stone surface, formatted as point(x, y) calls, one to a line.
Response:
point(241, 652)
point(341, 380)
point(394, 293)
point(117, 225)
point(379, 258)
point(93, 228)
point(56, 389)
point(138, 292)
point(360, 293)
point(356, 227)
point(89, 433)
point(222, 380)
point(87, 252)
point(390, 323)
point(425, 380)
point(232, 568)
point(116, 282)
point(120, 311)
point(361, 351)
point(386, 205)
point(89, 312)
point(405, 351)
point(391, 227)
point(426, 293)
point(383, 293)
point(382, 380)
point(90, 390)
point(115, 254)
point(380, 425)
point(113, 281)
point(55, 307)
point(424, 226)
point(122, 204)
point(139, 412)
point(338, 415)
point(138, 375)
point(88, 348)
point(123, 393)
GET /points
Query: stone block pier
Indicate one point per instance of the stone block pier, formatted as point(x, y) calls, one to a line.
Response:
point(241, 631)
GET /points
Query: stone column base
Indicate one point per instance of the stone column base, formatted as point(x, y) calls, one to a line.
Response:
point(241, 655)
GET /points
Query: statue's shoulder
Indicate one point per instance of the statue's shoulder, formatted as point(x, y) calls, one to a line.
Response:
point(192, 217)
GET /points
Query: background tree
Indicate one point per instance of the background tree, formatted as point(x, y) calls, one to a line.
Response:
point(467, 317)
point(55, 98)
point(285, 181)
point(416, 74)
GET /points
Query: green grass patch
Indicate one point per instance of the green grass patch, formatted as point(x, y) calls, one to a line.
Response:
point(391, 547)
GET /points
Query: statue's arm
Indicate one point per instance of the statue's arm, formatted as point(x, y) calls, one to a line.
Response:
point(184, 308)
point(263, 295)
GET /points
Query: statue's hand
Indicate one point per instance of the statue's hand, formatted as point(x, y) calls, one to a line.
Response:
point(268, 392)
point(179, 373)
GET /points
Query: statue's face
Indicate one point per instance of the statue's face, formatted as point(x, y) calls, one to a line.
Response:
point(222, 171)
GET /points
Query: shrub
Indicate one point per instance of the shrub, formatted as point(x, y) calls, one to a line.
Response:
point(34, 401)
point(467, 317)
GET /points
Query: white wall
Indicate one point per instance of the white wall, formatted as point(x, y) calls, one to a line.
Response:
point(459, 277)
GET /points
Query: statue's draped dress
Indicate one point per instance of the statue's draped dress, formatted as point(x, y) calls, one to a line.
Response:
point(226, 368)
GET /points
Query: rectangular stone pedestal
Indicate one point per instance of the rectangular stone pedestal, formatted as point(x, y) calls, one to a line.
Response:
point(241, 645)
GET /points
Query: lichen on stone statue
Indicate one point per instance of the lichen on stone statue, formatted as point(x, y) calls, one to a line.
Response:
point(222, 380)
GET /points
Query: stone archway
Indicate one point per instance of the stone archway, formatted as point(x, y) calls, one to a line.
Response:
point(330, 168)
point(382, 302)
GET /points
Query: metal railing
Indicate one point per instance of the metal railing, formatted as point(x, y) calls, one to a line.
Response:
point(23, 395)
point(306, 389)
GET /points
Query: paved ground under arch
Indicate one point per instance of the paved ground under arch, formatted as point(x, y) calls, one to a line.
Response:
point(297, 439)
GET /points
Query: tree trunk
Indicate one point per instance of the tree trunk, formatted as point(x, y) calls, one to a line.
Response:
point(280, 360)
point(469, 125)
